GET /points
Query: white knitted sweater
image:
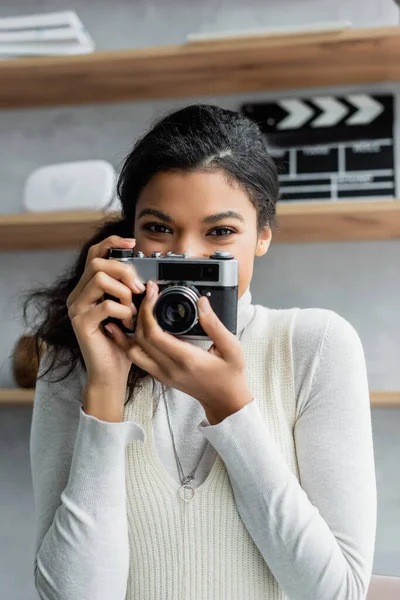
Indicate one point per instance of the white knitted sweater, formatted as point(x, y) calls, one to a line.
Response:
point(315, 534)
point(201, 550)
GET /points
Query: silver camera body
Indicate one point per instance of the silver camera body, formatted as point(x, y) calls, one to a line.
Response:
point(182, 281)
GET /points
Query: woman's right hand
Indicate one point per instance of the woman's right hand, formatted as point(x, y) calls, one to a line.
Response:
point(106, 364)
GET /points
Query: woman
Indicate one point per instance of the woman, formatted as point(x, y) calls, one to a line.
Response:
point(254, 477)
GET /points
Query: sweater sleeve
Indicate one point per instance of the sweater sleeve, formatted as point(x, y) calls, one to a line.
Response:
point(317, 535)
point(78, 476)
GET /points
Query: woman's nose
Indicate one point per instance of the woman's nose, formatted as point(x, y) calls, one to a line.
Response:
point(192, 249)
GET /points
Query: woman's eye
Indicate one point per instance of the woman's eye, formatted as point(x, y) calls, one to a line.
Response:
point(149, 226)
point(223, 231)
point(160, 228)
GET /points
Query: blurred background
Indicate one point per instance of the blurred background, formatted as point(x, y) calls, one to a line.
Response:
point(358, 278)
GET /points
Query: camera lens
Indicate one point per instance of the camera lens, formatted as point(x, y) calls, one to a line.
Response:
point(174, 312)
point(176, 309)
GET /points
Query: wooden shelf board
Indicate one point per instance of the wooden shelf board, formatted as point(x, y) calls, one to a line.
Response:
point(24, 397)
point(50, 230)
point(338, 221)
point(16, 397)
point(353, 56)
point(298, 222)
point(385, 399)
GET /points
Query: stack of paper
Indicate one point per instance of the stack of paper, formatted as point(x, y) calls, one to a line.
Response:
point(40, 35)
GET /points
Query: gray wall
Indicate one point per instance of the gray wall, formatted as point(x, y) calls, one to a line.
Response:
point(359, 280)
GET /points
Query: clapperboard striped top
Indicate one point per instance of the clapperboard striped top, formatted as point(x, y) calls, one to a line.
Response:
point(330, 148)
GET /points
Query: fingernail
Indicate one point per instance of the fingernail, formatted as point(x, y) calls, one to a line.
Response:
point(140, 285)
point(109, 328)
point(129, 240)
point(151, 289)
point(204, 304)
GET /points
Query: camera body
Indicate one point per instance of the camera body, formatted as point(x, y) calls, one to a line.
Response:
point(181, 282)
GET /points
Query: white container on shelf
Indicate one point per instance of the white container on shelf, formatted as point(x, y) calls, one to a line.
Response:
point(83, 185)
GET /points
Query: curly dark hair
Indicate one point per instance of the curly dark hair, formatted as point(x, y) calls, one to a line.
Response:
point(199, 136)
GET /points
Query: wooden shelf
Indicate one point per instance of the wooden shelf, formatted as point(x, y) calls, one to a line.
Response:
point(50, 230)
point(298, 222)
point(385, 399)
point(16, 397)
point(352, 56)
point(338, 221)
point(24, 397)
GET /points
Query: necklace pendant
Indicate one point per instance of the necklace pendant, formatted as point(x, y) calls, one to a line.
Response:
point(188, 478)
point(187, 492)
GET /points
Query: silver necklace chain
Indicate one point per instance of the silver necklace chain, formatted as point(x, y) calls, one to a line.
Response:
point(185, 488)
point(185, 479)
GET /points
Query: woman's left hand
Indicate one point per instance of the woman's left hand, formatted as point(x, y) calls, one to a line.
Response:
point(215, 378)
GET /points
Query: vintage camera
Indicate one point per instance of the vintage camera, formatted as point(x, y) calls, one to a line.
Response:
point(181, 282)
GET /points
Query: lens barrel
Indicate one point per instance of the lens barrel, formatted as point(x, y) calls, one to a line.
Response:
point(176, 309)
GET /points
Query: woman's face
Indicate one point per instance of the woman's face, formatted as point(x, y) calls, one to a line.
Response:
point(182, 212)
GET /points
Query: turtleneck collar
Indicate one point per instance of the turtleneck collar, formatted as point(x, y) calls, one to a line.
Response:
point(245, 311)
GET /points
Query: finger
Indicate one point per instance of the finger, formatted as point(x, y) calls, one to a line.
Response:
point(90, 320)
point(118, 336)
point(213, 350)
point(148, 333)
point(102, 248)
point(120, 271)
point(101, 284)
point(99, 250)
point(146, 318)
point(225, 342)
point(153, 338)
point(137, 355)
point(124, 272)
point(95, 289)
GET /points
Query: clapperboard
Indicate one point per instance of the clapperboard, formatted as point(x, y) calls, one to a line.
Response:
point(330, 148)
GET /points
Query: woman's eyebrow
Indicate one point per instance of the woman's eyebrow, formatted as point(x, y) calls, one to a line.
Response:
point(210, 219)
point(228, 214)
point(156, 213)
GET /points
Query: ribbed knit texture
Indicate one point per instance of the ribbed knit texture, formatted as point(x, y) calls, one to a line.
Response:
point(216, 559)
